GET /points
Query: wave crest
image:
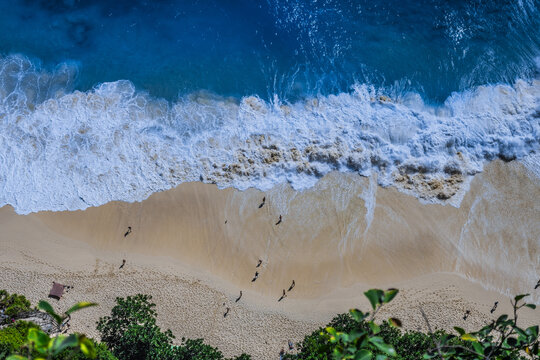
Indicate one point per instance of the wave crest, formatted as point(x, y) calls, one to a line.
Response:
point(65, 150)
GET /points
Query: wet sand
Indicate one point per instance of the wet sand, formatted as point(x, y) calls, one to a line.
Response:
point(195, 247)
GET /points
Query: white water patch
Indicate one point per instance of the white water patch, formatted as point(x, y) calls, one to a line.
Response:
point(68, 151)
point(532, 163)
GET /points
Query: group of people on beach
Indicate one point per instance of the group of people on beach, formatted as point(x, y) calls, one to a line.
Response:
point(255, 277)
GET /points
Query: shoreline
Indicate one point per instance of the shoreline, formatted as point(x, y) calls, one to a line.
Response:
point(336, 241)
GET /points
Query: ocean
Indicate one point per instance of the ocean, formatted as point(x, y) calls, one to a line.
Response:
point(103, 101)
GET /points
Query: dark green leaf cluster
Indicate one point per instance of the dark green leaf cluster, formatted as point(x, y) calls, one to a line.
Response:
point(131, 332)
point(356, 336)
point(11, 305)
point(13, 337)
point(102, 353)
point(41, 345)
point(501, 339)
point(364, 342)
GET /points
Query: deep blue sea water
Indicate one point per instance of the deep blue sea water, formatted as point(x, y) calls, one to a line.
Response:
point(292, 48)
point(114, 100)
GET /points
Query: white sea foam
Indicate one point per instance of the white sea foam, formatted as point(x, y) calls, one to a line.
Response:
point(65, 150)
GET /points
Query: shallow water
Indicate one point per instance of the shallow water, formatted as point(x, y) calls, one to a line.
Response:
point(102, 101)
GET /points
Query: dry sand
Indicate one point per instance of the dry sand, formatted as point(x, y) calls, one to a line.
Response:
point(195, 247)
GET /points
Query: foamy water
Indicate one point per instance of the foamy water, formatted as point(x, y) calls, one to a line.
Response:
point(68, 150)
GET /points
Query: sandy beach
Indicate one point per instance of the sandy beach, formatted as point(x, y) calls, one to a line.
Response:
point(195, 247)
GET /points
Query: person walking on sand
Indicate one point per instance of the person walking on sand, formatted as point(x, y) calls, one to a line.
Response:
point(292, 286)
point(281, 354)
point(494, 307)
point(291, 345)
point(467, 313)
point(537, 285)
point(255, 277)
point(123, 263)
point(128, 231)
point(238, 299)
point(279, 221)
point(227, 312)
point(259, 263)
point(262, 204)
point(283, 296)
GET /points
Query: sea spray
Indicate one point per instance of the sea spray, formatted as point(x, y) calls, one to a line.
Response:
point(63, 150)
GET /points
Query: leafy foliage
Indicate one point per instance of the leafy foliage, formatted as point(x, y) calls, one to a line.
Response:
point(102, 353)
point(131, 332)
point(350, 336)
point(501, 339)
point(364, 342)
point(40, 343)
point(13, 337)
point(317, 345)
point(11, 305)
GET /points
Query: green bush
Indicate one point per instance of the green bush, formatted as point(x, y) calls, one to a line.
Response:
point(131, 333)
point(317, 345)
point(13, 337)
point(102, 353)
point(355, 336)
point(196, 350)
point(12, 305)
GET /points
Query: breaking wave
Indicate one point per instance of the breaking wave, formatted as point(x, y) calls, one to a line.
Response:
point(65, 150)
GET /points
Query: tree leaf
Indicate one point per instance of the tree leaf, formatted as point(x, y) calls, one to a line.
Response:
point(468, 337)
point(389, 295)
point(87, 347)
point(45, 306)
point(532, 331)
point(331, 331)
point(79, 306)
point(478, 348)
point(39, 338)
point(64, 343)
point(519, 297)
point(381, 345)
point(395, 322)
point(363, 355)
point(357, 315)
point(459, 330)
point(374, 296)
point(16, 357)
point(532, 306)
point(375, 329)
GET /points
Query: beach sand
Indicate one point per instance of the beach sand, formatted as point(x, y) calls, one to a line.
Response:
point(195, 247)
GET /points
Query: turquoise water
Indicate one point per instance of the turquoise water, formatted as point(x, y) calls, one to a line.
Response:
point(103, 100)
point(292, 48)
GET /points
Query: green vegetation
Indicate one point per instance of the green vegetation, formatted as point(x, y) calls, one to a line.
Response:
point(356, 336)
point(11, 305)
point(131, 332)
point(40, 345)
point(13, 337)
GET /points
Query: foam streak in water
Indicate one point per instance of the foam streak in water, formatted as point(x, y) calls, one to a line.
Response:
point(67, 151)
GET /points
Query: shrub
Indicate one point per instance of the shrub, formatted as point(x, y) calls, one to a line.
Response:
point(131, 333)
point(13, 337)
point(41, 345)
point(355, 336)
point(102, 353)
point(12, 305)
